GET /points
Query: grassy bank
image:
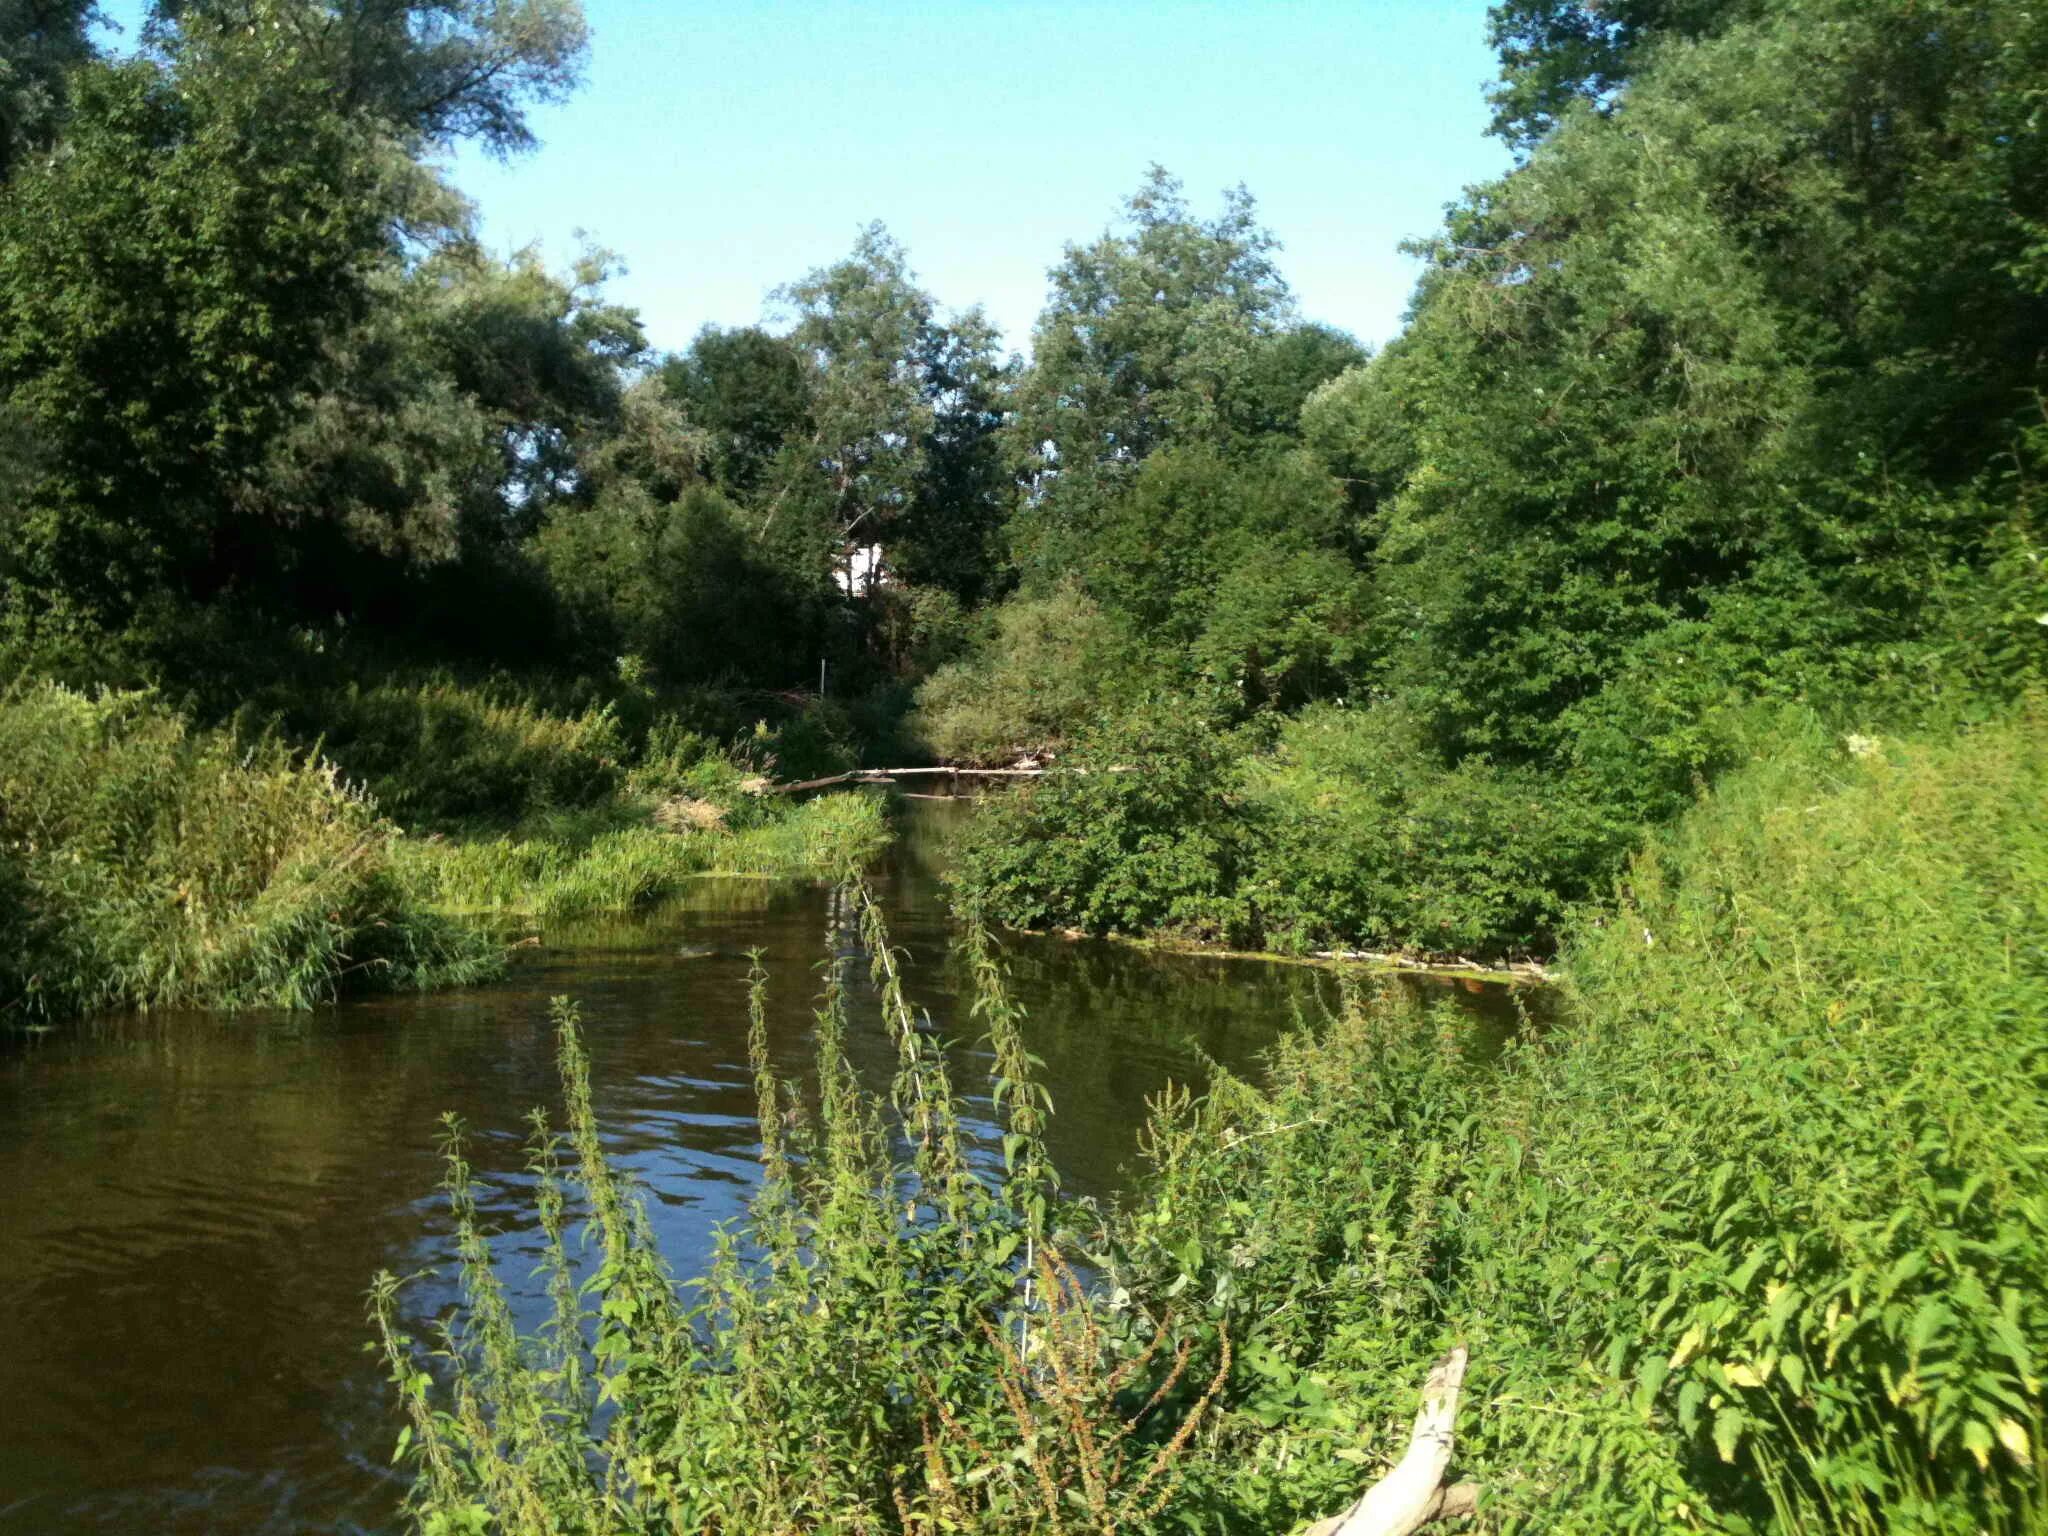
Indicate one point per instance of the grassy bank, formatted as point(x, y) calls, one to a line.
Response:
point(636, 851)
point(1753, 1243)
point(146, 864)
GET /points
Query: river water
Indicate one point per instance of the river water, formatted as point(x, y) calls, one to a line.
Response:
point(191, 1205)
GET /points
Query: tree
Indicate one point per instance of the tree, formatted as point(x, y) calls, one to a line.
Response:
point(166, 288)
point(1731, 360)
point(41, 41)
point(1557, 52)
point(435, 71)
point(749, 392)
point(950, 536)
point(863, 323)
point(1145, 332)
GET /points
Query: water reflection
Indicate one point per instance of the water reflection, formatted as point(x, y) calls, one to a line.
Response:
point(191, 1205)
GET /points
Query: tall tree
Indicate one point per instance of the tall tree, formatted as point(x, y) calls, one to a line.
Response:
point(435, 71)
point(749, 392)
point(40, 42)
point(1145, 330)
point(1557, 52)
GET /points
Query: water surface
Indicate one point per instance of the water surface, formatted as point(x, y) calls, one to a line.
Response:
point(191, 1205)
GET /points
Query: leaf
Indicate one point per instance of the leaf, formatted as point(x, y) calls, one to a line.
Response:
point(1690, 1396)
point(1978, 1442)
point(2012, 1434)
point(1794, 1368)
point(405, 1440)
point(1728, 1426)
point(1742, 1376)
point(1688, 1345)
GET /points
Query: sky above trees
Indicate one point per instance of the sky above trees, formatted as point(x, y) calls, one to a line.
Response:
point(722, 146)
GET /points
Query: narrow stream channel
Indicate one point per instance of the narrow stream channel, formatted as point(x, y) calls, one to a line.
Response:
point(192, 1205)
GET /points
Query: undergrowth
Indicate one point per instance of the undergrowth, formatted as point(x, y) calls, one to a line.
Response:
point(1752, 1242)
point(145, 864)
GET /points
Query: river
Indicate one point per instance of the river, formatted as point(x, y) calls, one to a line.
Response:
point(192, 1204)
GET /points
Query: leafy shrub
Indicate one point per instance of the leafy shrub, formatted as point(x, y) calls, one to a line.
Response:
point(1039, 678)
point(438, 753)
point(145, 864)
point(1139, 829)
point(1362, 836)
point(1751, 1241)
point(1347, 832)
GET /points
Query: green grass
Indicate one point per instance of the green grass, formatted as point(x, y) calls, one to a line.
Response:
point(144, 864)
point(606, 862)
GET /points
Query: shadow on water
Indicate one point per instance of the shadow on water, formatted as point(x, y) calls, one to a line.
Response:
point(191, 1205)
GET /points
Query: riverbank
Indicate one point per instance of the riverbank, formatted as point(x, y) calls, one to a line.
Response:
point(149, 863)
point(1753, 1243)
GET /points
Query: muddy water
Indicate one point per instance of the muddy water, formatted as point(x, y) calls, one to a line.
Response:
point(190, 1206)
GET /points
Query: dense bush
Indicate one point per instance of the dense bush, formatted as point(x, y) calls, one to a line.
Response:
point(1750, 1240)
point(1346, 830)
point(1043, 672)
point(147, 864)
point(1141, 828)
point(1360, 835)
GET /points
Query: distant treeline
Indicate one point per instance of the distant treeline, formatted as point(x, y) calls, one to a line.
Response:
point(1731, 390)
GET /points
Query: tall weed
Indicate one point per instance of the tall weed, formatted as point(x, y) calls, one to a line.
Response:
point(145, 864)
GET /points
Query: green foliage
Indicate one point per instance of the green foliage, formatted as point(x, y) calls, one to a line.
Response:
point(1037, 677)
point(626, 856)
point(1755, 1256)
point(1241, 570)
point(165, 287)
point(434, 71)
point(40, 41)
point(438, 754)
point(1362, 836)
point(147, 865)
point(1142, 330)
point(1344, 830)
point(683, 584)
point(750, 392)
point(1140, 828)
point(893, 1338)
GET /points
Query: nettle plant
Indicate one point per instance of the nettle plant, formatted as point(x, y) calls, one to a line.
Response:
point(895, 1337)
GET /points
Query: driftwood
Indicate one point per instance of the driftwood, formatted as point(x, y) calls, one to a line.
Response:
point(1413, 1495)
point(891, 775)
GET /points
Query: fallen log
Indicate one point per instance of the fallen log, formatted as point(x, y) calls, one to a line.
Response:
point(1412, 1495)
point(891, 775)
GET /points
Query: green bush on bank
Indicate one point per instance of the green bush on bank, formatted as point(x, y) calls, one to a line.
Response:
point(1344, 831)
point(145, 864)
point(1753, 1242)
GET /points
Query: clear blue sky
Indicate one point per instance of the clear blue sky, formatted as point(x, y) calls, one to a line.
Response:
point(722, 147)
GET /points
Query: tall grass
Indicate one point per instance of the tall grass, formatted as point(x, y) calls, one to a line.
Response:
point(615, 859)
point(438, 753)
point(145, 864)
